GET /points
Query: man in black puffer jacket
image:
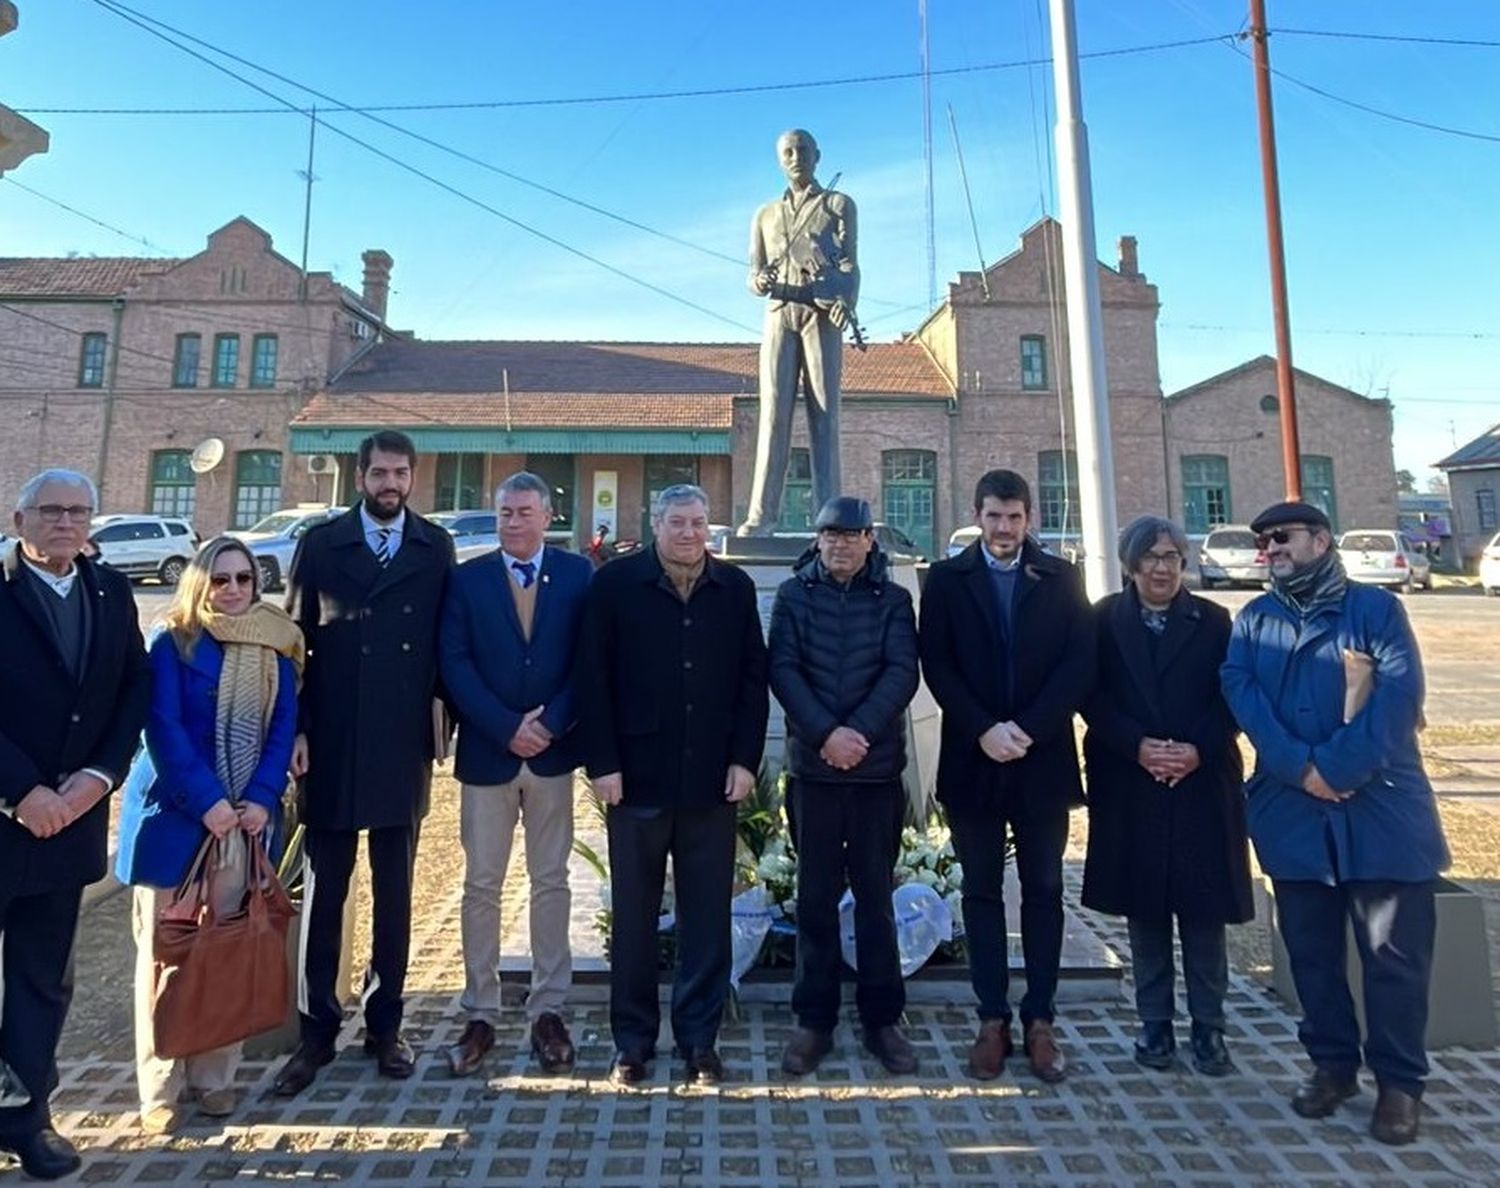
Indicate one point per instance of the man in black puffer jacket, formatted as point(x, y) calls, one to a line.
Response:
point(843, 656)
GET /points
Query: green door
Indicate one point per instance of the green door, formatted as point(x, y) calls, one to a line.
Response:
point(909, 480)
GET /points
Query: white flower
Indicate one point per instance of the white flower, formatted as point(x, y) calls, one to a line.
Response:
point(927, 877)
point(956, 874)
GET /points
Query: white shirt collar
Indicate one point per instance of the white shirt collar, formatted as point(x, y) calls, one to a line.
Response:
point(535, 559)
point(61, 586)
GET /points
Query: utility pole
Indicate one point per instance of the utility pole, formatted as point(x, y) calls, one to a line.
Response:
point(312, 138)
point(1291, 449)
point(1096, 470)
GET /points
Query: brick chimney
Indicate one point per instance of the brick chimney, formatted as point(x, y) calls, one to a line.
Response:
point(377, 280)
point(1129, 265)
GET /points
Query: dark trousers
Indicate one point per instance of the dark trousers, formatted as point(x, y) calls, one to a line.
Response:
point(846, 833)
point(1394, 928)
point(1205, 970)
point(330, 864)
point(37, 970)
point(1041, 834)
point(701, 843)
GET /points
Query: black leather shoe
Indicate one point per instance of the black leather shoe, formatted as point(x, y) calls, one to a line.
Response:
point(300, 1070)
point(1156, 1047)
point(1397, 1118)
point(393, 1055)
point(629, 1069)
point(805, 1051)
point(44, 1155)
point(704, 1068)
point(1322, 1093)
point(465, 1057)
point(1210, 1054)
point(892, 1049)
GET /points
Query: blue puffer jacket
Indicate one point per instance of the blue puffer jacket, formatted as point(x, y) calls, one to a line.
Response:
point(172, 782)
point(1285, 683)
point(844, 656)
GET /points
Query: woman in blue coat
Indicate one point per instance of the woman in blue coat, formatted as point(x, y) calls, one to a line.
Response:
point(218, 743)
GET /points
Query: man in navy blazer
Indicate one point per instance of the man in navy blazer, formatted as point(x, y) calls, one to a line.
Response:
point(506, 653)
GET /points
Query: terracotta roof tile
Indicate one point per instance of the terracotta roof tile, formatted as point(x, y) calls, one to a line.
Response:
point(101, 276)
point(530, 410)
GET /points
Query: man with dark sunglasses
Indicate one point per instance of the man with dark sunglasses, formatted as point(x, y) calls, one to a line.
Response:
point(1325, 678)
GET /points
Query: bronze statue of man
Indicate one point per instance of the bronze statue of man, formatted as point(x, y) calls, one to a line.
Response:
point(803, 258)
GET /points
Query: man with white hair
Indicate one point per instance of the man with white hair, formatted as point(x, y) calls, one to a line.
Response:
point(672, 703)
point(71, 714)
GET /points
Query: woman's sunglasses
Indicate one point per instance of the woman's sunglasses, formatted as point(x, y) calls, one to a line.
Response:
point(221, 581)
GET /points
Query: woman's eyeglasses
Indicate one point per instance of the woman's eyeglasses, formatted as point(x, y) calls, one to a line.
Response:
point(221, 581)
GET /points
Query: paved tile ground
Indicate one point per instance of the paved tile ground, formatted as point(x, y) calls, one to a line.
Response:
point(1111, 1123)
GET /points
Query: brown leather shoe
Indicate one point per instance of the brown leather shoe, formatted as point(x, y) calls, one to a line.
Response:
point(551, 1044)
point(393, 1055)
point(892, 1049)
point(1047, 1060)
point(805, 1051)
point(704, 1068)
point(1398, 1117)
point(629, 1069)
point(1321, 1093)
point(988, 1055)
point(465, 1057)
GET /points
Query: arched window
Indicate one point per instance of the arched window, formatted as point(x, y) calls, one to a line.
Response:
point(257, 486)
point(1205, 491)
point(174, 486)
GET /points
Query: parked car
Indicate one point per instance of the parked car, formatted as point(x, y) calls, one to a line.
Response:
point(145, 546)
point(962, 538)
point(718, 534)
point(1230, 556)
point(1383, 557)
point(274, 539)
point(1489, 567)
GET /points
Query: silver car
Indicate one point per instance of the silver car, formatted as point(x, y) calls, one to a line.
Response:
point(1230, 557)
point(274, 539)
point(1383, 557)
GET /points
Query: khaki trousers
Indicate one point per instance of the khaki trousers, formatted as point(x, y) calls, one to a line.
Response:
point(160, 1081)
point(487, 826)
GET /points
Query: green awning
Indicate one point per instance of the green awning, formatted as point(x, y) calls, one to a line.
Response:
point(443, 439)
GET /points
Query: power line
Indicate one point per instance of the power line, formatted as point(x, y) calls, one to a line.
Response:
point(1412, 39)
point(634, 97)
point(73, 210)
point(579, 253)
point(1473, 334)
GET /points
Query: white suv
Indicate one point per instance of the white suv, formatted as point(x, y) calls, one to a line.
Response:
point(145, 546)
point(1489, 567)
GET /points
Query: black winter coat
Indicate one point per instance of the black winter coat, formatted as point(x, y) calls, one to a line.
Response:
point(1038, 681)
point(372, 671)
point(1153, 849)
point(844, 656)
point(670, 693)
point(52, 725)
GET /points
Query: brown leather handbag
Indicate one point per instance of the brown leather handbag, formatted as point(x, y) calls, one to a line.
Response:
point(220, 979)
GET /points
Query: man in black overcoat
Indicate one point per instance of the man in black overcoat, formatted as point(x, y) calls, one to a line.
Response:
point(1007, 648)
point(670, 687)
point(76, 693)
point(367, 590)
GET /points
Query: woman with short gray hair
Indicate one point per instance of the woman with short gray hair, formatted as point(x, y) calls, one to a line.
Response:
point(1166, 813)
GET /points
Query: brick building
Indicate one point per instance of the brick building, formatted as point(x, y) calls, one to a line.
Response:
point(1473, 472)
point(120, 367)
point(1223, 446)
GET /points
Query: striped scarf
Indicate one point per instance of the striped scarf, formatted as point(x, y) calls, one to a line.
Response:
point(248, 687)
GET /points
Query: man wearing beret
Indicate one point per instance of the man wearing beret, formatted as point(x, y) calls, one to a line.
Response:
point(1325, 678)
point(843, 657)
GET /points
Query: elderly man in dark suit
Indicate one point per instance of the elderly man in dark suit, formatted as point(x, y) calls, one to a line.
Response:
point(1007, 647)
point(367, 590)
point(72, 707)
point(672, 706)
point(509, 625)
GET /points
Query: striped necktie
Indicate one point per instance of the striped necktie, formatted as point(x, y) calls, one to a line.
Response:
point(383, 549)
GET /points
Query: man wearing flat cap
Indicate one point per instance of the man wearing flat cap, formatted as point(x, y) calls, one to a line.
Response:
point(1325, 679)
point(843, 662)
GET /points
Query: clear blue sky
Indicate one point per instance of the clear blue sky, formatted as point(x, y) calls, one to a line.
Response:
point(1391, 234)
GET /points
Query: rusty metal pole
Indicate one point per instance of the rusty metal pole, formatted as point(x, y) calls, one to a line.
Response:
point(1291, 450)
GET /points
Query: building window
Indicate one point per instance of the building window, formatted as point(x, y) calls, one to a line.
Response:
point(460, 482)
point(797, 511)
point(1033, 363)
point(257, 486)
point(1057, 492)
point(91, 361)
point(909, 494)
point(663, 471)
point(185, 361)
point(174, 486)
point(226, 360)
point(1485, 499)
point(263, 361)
point(1205, 491)
point(557, 471)
point(1270, 404)
point(1317, 486)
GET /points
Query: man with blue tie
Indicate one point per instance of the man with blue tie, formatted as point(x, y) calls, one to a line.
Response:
point(506, 651)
